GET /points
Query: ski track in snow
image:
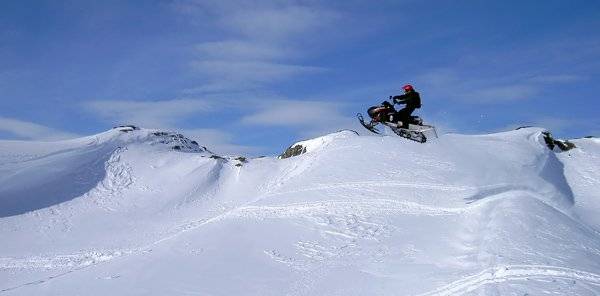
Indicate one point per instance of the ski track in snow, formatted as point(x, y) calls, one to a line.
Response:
point(341, 207)
point(299, 210)
point(80, 261)
point(72, 262)
point(513, 273)
point(382, 183)
point(368, 207)
point(62, 261)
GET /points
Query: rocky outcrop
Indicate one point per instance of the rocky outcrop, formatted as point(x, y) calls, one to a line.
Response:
point(553, 144)
point(126, 128)
point(176, 142)
point(560, 145)
point(293, 150)
point(305, 146)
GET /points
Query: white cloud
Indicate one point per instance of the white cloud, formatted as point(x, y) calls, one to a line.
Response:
point(441, 78)
point(32, 131)
point(277, 23)
point(310, 118)
point(562, 78)
point(148, 114)
point(241, 50)
point(219, 142)
point(251, 72)
point(261, 42)
point(450, 83)
point(294, 113)
point(220, 87)
point(502, 93)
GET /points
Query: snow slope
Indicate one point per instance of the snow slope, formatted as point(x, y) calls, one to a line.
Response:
point(124, 213)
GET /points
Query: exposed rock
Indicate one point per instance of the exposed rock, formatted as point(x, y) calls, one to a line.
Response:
point(557, 143)
point(311, 145)
point(126, 128)
point(241, 159)
point(293, 151)
point(176, 141)
point(217, 157)
point(524, 126)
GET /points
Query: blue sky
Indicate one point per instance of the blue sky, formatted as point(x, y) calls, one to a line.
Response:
point(252, 77)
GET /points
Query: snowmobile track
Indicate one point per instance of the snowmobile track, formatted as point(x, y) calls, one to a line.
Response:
point(514, 273)
point(61, 261)
point(341, 207)
point(359, 184)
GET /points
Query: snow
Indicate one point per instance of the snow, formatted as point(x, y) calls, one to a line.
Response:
point(125, 213)
point(319, 143)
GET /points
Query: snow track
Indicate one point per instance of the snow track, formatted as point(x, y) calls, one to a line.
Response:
point(353, 216)
point(341, 207)
point(375, 184)
point(514, 273)
point(61, 261)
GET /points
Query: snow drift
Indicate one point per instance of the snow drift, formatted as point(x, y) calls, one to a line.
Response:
point(143, 212)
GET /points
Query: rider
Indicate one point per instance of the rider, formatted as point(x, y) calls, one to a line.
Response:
point(411, 99)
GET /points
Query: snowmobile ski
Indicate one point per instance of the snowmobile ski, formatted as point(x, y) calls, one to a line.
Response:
point(370, 126)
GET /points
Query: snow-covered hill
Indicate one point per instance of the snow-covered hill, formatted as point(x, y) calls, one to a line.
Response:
point(143, 212)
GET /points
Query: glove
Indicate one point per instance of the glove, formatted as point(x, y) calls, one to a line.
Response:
point(398, 100)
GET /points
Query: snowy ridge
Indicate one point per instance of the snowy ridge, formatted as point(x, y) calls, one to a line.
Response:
point(47, 174)
point(316, 144)
point(124, 212)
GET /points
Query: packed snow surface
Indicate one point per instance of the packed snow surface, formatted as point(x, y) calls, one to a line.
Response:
point(142, 212)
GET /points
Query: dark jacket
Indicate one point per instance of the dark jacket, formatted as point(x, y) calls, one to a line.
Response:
point(411, 99)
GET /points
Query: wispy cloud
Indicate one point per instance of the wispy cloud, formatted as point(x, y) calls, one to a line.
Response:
point(526, 72)
point(559, 78)
point(251, 72)
point(310, 118)
point(258, 45)
point(277, 23)
point(261, 43)
point(451, 83)
point(148, 114)
point(220, 142)
point(294, 113)
point(503, 93)
point(32, 131)
point(242, 50)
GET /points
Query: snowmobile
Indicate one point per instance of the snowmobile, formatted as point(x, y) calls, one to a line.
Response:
point(416, 130)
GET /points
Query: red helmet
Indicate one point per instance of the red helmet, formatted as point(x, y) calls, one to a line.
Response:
point(408, 88)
